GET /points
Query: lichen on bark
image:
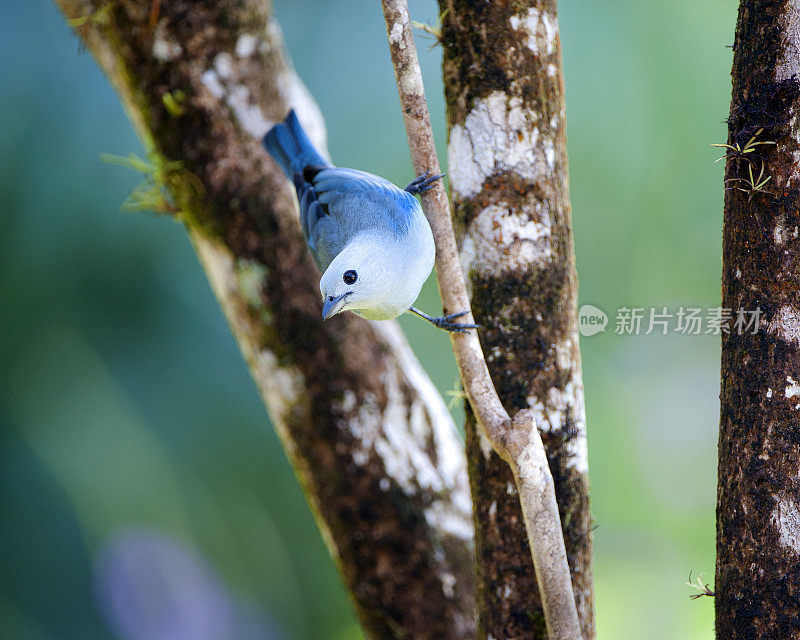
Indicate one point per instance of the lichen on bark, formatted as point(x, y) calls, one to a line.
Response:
point(509, 186)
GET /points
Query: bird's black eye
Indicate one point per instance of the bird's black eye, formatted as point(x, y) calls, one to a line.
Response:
point(350, 276)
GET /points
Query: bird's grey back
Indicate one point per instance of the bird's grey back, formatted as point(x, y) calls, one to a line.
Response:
point(354, 202)
point(337, 205)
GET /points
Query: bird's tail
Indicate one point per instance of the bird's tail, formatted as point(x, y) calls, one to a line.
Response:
point(290, 147)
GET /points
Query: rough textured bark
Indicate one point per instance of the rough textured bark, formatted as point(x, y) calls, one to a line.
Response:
point(516, 440)
point(758, 501)
point(509, 185)
point(369, 437)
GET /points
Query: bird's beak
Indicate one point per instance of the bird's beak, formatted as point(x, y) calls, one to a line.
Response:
point(333, 305)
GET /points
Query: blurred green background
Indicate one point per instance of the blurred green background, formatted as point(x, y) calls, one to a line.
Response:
point(130, 427)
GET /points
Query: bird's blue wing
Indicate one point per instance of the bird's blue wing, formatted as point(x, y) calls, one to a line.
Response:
point(336, 204)
point(322, 233)
point(359, 201)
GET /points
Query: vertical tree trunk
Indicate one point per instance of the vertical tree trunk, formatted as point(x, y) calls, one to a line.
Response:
point(508, 175)
point(758, 502)
point(369, 437)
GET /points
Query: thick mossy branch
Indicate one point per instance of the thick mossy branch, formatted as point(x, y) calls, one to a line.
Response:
point(202, 81)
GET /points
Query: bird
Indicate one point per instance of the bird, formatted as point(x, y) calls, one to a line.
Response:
point(368, 237)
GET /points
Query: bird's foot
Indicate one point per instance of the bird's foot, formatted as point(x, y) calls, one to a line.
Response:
point(423, 183)
point(447, 323)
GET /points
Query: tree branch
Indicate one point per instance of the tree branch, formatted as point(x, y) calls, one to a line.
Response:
point(370, 439)
point(518, 441)
point(509, 187)
point(757, 582)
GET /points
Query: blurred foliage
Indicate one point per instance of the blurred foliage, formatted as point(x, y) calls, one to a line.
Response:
point(126, 405)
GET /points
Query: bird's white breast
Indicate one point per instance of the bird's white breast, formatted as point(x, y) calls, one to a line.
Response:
point(409, 261)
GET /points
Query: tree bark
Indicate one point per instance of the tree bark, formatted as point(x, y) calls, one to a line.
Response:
point(370, 439)
point(758, 500)
point(508, 176)
point(516, 440)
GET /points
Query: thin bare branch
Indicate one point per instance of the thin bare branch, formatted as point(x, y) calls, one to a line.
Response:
point(518, 441)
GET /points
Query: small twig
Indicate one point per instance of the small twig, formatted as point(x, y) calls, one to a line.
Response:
point(702, 588)
point(516, 440)
point(427, 28)
point(155, 10)
point(737, 151)
point(94, 18)
point(160, 176)
point(753, 185)
point(457, 395)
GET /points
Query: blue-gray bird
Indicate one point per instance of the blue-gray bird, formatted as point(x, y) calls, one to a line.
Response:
point(369, 237)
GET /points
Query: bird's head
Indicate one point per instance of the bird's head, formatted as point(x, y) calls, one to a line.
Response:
point(356, 280)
